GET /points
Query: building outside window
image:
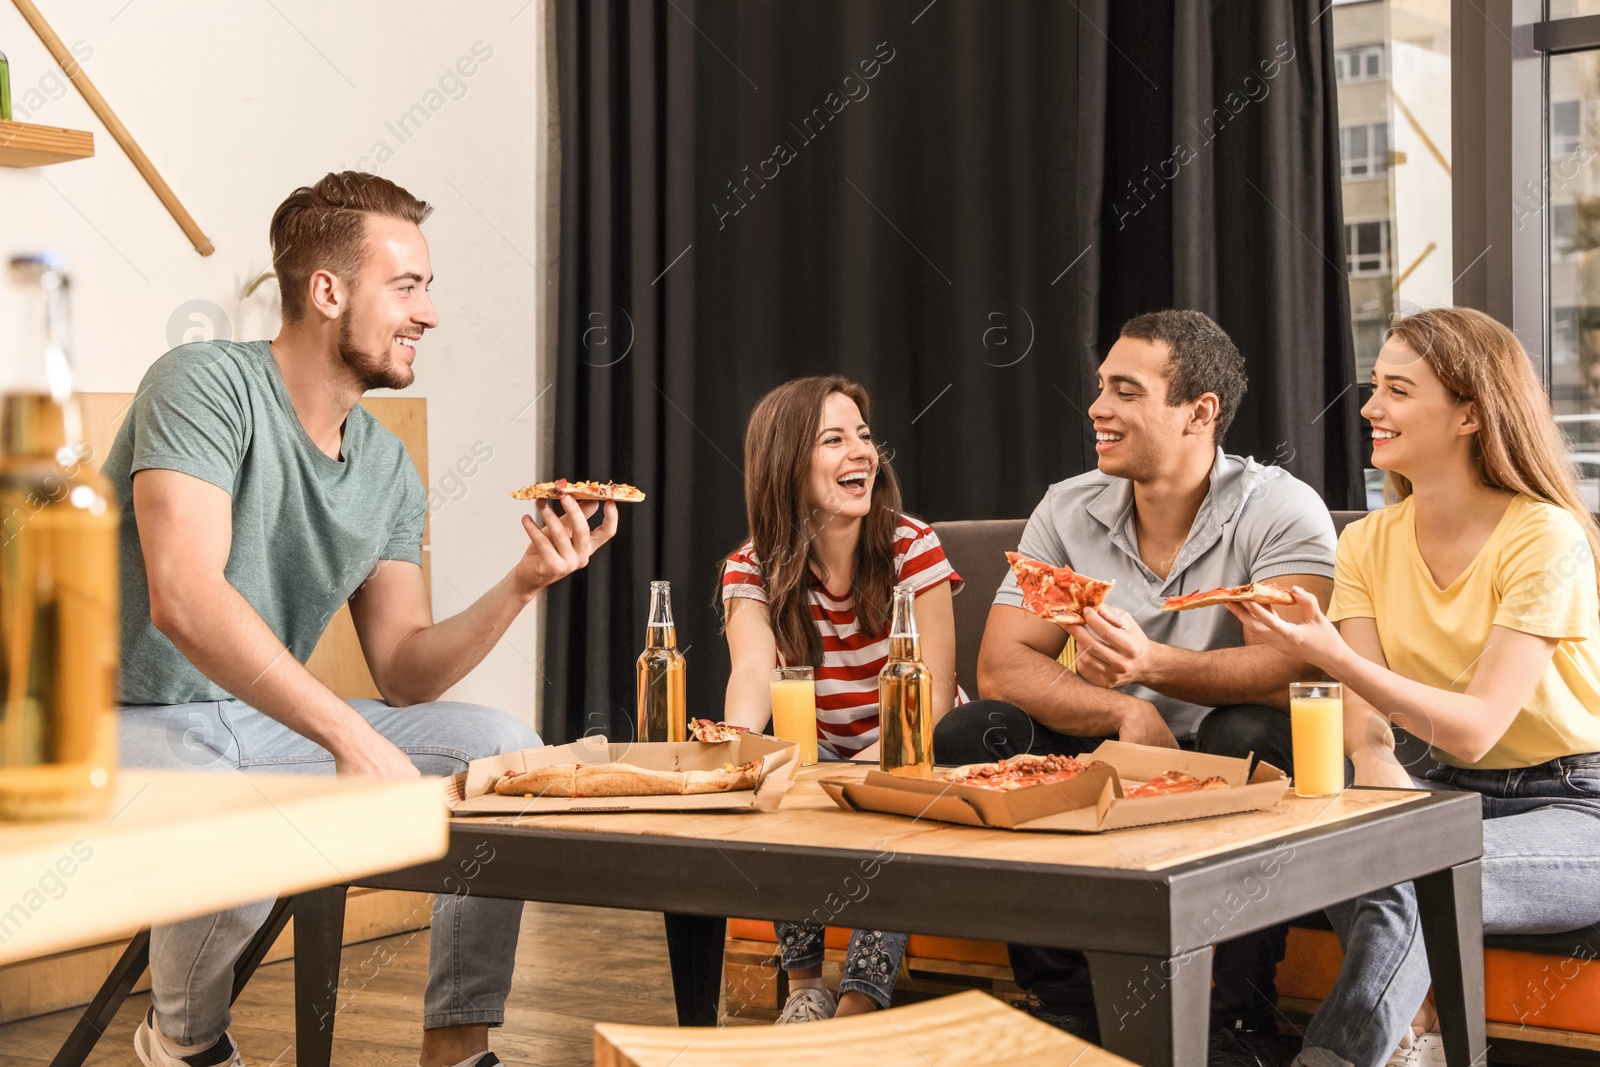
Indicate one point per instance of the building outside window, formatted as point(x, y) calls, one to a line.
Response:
point(1364, 151)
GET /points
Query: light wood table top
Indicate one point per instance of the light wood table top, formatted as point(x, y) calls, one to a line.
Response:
point(181, 844)
point(966, 1030)
point(808, 818)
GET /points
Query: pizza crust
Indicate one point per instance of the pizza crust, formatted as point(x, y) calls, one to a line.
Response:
point(625, 780)
point(1254, 593)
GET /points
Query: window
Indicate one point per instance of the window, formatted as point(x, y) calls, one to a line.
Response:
point(1367, 246)
point(1566, 130)
point(1364, 151)
point(1563, 230)
point(1360, 63)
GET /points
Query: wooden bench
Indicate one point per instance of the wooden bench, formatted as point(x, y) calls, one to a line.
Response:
point(966, 1030)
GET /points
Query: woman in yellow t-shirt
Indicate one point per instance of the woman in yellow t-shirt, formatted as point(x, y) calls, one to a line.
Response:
point(1468, 615)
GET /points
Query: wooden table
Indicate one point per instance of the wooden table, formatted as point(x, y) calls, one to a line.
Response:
point(1145, 905)
point(179, 844)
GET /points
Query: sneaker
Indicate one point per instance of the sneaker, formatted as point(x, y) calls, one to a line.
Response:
point(1063, 1017)
point(808, 1006)
point(1418, 1050)
point(1236, 1046)
point(148, 1046)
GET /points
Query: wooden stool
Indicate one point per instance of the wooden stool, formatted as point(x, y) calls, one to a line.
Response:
point(966, 1030)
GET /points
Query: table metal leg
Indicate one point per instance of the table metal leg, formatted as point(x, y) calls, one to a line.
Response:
point(1154, 1011)
point(1450, 904)
point(318, 936)
point(694, 948)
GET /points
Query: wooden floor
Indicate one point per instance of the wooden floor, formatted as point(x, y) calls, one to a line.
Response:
point(575, 967)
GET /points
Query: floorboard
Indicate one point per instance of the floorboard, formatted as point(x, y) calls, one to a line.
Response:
point(575, 967)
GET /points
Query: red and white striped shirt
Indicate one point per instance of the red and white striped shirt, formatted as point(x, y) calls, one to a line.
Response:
point(847, 678)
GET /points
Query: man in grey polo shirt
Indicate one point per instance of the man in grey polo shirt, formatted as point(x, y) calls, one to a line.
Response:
point(1167, 512)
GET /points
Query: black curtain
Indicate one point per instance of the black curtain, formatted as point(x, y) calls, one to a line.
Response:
point(956, 202)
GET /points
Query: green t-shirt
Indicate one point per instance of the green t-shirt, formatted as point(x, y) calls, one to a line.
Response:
point(307, 529)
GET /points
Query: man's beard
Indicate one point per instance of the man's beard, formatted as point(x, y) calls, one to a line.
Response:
point(372, 371)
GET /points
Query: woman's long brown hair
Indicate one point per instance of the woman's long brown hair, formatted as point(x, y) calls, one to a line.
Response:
point(779, 445)
point(1519, 447)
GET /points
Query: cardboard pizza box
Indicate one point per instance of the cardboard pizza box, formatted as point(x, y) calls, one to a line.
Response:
point(1090, 803)
point(472, 791)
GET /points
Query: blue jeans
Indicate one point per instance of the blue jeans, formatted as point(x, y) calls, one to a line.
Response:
point(474, 943)
point(1541, 864)
point(871, 963)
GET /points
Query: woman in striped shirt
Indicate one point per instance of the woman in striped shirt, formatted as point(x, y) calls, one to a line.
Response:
point(813, 585)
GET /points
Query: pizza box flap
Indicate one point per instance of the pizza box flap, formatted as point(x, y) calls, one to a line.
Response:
point(473, 793)
point(1092, 802)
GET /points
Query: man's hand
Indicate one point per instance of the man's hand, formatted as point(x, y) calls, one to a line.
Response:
point(563, 544)
point(372, 755)
point(1143, 725)
point(1112, 650)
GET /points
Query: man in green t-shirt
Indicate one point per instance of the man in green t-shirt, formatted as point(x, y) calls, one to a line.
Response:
point(257, 497)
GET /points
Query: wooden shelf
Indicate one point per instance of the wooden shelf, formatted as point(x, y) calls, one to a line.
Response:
point(26, 145)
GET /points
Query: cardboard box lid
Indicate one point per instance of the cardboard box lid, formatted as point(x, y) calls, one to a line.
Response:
point(1092, 802)
point(472, 792)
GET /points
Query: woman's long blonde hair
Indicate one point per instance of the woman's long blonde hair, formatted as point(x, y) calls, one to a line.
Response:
point(1518, 446)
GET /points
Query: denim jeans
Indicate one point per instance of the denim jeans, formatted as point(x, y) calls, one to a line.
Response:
point(473, 947)
point(871, 963)
point(1541, 863)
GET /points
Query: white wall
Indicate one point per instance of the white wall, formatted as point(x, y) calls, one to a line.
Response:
point(237, 102)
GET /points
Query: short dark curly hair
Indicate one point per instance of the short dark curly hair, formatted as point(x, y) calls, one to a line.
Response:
point(1203, 359)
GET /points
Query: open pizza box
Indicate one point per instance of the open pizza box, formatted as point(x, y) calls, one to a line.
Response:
point(472, 791)
point(1091, 803)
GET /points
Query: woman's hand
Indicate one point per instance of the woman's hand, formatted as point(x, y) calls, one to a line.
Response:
point(1301, 631)
point(1377, 766)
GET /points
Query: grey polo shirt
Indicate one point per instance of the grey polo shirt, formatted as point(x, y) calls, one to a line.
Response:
point(1255, 523)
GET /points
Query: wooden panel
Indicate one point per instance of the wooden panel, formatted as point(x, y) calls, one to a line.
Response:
point(70, 979)
point(808, 818)
point(969, 1029)
point(26, 145)
point(337, 661)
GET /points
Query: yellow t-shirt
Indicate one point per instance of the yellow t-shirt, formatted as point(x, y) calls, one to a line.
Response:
point(1535, 575)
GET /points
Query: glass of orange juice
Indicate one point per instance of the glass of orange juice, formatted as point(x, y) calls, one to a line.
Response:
point(1316, 729)
point(794, 710)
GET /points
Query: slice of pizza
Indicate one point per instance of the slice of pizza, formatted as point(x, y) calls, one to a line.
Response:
point(1172, 782)
point(1019, 772)
point(1056, 594)
point(1254, 593)
point(620, 491)
point(711, 732)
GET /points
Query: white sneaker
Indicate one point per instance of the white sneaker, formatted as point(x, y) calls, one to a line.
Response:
point(1418, 1050)
point(809, 1006)
point(152, 1053)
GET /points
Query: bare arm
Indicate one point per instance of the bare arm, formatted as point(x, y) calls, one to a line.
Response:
point(412, 658)
point(754, 652)
point(186, 533)
point(1017, 664)
point(1113, 652)
point(936, 626)
point(1466, 725)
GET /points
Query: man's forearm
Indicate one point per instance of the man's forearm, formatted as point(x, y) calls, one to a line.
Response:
point(1055, 696)
point(430, 660)
point(222, 635)
point(1252, 674)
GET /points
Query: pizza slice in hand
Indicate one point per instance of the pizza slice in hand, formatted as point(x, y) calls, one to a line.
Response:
point(1056, 594)
point(1254, 593)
